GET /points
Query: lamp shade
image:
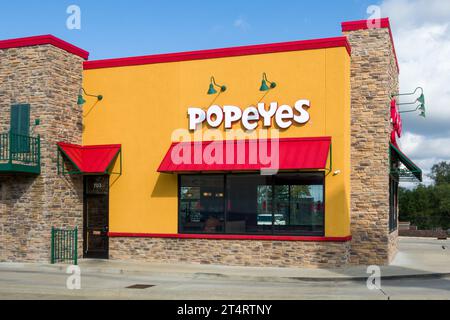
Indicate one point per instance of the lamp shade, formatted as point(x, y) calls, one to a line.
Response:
point(422, 100)
point(81, 100)
point(211, 89)
point(264, 86)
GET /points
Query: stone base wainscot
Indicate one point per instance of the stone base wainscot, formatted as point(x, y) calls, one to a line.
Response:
point(255, 253)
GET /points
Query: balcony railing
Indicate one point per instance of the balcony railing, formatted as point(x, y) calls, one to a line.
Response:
point(20, 154)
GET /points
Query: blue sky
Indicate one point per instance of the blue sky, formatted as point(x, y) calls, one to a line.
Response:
point(137, 27)
point(113, 29)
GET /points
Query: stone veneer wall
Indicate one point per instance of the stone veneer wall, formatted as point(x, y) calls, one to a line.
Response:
point(231, 252)
point(48, 79)
point(374, 77)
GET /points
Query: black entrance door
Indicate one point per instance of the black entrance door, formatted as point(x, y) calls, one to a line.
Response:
point(96, 200)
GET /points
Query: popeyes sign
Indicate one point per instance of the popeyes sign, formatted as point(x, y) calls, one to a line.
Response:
point(396, 121)
point(284, 115)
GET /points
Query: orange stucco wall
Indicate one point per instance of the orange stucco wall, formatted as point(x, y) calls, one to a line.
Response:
point(144, 104)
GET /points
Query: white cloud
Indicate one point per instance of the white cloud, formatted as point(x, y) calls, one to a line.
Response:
point(413, 13)
point(425, 152)
point(241, 24)
point(421, 147)
point(421, 30)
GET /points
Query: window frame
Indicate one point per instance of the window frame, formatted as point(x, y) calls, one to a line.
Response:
point(179, 204)
point(225, 198)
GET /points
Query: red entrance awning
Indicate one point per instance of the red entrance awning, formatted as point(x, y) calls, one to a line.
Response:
point(245, 155)
point(90, 159)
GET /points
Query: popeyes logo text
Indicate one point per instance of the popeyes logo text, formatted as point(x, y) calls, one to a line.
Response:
point(284, 116)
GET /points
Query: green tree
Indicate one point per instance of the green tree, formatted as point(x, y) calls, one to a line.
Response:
point(428, 207)
point(442, 210)
point(440, 173)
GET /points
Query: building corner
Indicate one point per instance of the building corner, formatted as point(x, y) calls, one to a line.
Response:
point(374, 79)
point(44, 74)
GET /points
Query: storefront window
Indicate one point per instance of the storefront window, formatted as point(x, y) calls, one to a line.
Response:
point(202, 204)
point(299, 204)
point(249, 204)
point(393, 204)
point(286, 204)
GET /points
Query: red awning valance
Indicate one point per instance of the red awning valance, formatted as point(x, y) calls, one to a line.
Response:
point(247, 155)
point(90, 159)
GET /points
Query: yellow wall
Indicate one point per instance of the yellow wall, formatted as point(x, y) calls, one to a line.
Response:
point(144, 104)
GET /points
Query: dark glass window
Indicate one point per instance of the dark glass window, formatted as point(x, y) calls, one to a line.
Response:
point(299, 203)
point(202, 204)
point(393, 204)
point(249, 204)
point(285, 204)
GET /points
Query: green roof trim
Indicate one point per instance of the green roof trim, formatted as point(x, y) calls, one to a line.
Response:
point(411, 166)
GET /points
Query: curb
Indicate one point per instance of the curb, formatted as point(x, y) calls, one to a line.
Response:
point(321, 279)
point(56, 269)
point(423, 276)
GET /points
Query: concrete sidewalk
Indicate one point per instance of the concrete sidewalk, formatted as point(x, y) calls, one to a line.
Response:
point(417, 258)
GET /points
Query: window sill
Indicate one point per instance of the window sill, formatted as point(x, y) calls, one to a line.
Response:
point(230, 237)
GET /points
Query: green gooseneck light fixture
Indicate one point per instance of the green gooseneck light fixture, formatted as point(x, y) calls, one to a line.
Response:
point(420, 100)
point(81, 101)
point(212, 87)
point(264, 87)
point(422, 111)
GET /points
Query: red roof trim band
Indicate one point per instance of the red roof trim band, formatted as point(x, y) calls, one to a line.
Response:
point(364, 25)
point(90, 159)
point(229, 237)
point(222, 53)
point(291, 154)
point(43, 40)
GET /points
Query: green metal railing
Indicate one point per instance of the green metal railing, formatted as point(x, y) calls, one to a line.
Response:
point(64, 247)
point(20, 149)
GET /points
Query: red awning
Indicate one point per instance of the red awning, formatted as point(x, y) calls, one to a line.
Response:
point(247, 155)
point(90, 159)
